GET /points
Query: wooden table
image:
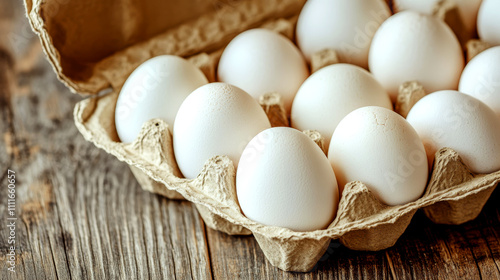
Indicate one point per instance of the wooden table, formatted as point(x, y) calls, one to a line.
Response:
point(81, 214)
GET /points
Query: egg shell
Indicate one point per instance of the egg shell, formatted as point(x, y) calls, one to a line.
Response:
point(488, 23)
point(468, 9)
point(378, 147)
point(260, 61)
point(215, 119)
point(284, 179)
point(345, 26)
point(481, 78)
point(411, 46)
point(156, 89)
point(461, 122)
point(331, 93)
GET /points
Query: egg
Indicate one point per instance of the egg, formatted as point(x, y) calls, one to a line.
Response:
point(155, 89)
point(467, 9)
point(481, 78)
point(260, 61)
point(345, 26)
point(411, 46)
point(331, 93)
point(488, 24)
point(459, 121)
point(378, 147)
point(215, 119)
point(285, 180)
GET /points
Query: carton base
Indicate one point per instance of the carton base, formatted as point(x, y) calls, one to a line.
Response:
point(215, 222)
point(377, 238)
point(294, 254)
point(458, 212)
point(151, 185)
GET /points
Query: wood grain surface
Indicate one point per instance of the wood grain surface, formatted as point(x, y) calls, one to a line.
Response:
point(81, 214)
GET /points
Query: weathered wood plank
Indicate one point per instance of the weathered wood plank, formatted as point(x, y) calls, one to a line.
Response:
point(425, 252)
point(483, 235)
point(81, 213)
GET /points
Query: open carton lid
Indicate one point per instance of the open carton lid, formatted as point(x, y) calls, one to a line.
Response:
point(94, 45)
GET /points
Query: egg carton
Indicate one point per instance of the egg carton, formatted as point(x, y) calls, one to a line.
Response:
point(454, 195)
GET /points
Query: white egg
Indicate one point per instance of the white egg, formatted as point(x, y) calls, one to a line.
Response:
point(378, 147)
point(488, 23)
point(285, 180)
point(215, 119)
point(331, 93)
point(156, 89)
point(467, 9)
point(481, 78)
point(455, 120)
point(261, 61)
point(345, 26)
point(411, 46)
